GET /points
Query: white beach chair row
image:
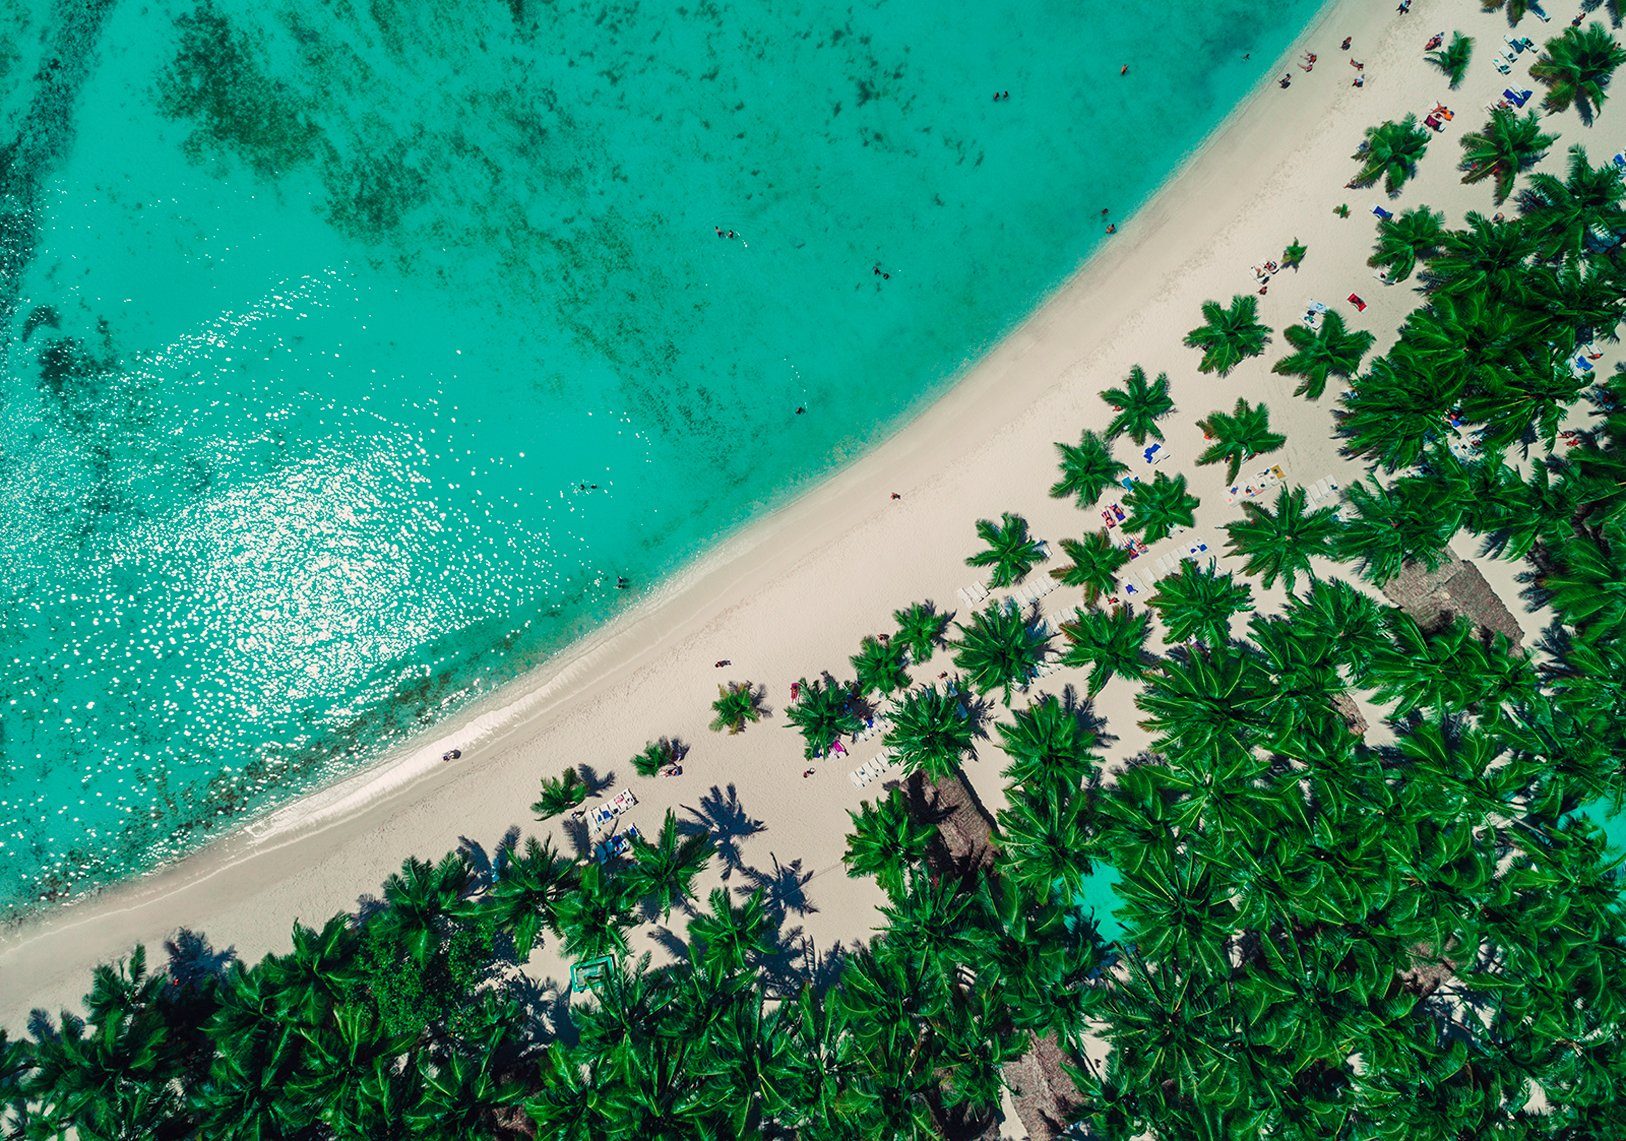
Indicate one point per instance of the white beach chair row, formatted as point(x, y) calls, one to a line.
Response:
point(1327, 488)
point(1030, 592)
point(875, 728)
point(973, 594)
point(873, 769)
point(1142, 580)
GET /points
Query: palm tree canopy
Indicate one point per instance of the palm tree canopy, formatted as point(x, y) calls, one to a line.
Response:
point(920, 630)
point(999, 649)
point(738, 704)
point(1138, 405)
point(1010, 551)
point(1503, 148)
point(1094, 564)
point(1199, 603)
point(1159, 505)
point(822, 713)
point(1238, 435)
point(1330, 350)
point(1577, 67)
point(1229, 335)
point(931, 731)
point(885, 841)
point(1111, 643)
point(1453, 58)
point(1278, 542)
point(1405, 238)
point(880, 666)
point(1391, 152)
point(1087, 469)
point(1562, 212)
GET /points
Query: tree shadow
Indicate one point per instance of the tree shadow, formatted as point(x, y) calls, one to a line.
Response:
point(1082, 706)
point(782, 887)
point(577, 836)
point(485, 868)
point(722, 817)
point(544, 1004)
point(596, 784)
point(823, 971)
point(194, 961)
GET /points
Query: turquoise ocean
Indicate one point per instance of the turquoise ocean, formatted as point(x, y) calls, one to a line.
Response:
point(351, 351)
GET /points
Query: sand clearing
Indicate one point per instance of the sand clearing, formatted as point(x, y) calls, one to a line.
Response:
point(793, 594)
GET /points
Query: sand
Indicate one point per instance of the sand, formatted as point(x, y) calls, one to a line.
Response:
point(793, 594)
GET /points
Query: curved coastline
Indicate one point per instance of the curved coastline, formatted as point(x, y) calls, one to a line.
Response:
point(994, 405)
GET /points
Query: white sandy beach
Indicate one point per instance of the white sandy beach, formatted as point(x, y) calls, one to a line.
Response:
point(793, 594)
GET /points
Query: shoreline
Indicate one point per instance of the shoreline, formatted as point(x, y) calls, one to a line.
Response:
point(796, 542)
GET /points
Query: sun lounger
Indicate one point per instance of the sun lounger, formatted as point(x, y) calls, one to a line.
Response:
point(1501, 65)
point(1382, 213)
point(1537, 11)
point(858, 781)
point(600, 815)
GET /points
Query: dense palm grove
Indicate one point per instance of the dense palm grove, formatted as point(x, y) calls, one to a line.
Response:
point(1328, 933)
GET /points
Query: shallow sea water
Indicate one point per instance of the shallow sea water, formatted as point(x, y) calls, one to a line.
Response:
point(350, 351)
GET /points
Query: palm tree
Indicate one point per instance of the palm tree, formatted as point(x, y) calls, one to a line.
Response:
point(1095, 563)
point(1562, 212)
point(931, 732)
point(1503, 147)
point(822, 712)
point(1516, 9)
point(1385, 530)
point(523, 898)
point(419, 899)
point(1087, 469)
point(1279, 542)
point(1011, 551)
point(1043, 841)
point(316, 975)
point(1391, 152)
point(593, 920)
point(886, 841)
point(1138, 405)
point(1293, 255)
point(656, 756)
point(731, 937)
point(1228, 336)
point(1485, 256)
point(665, 868)
point(1111, 643)
point(1158, 506)
point(1453, 58)
point(1331, 350)
point(920, 630)
point(999, 649)
point(1240, 434)
point(879, 666)
point(738, 704)
point(559, 794)
point(1199, 603)
point(1577, 67)
point(1406, 237)
point(1049, 741)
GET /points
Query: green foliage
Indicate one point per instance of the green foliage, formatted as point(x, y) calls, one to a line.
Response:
point(1453, 58)
point(1228, 336)
point(999, 649)
point(1238, 435)
point(1293, 255)
point(1109, 643)
point(1159, 505)
point(1331, 350)
point(920, 630)
point(1577, 67)
point(1278, 542)
point(1094, 565)
point(822, 712)
point(1050, 741)
point(1011, 552)
point(1199, 603)
point(880, 666)
point(886, 842)
point(559, 794)
point(1404, 239)
point(1087, 469)
point(932, 732)
point(1138, 406)
point(664, 869)
point(738, 704)
point(1505, 146)
point(1391, 153)
point(655, 756)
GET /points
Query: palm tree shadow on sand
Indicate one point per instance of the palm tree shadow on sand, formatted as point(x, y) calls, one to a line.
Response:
point(722, 817)
point(782, 887)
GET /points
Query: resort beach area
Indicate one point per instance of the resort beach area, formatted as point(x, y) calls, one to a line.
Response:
point(793, 594)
